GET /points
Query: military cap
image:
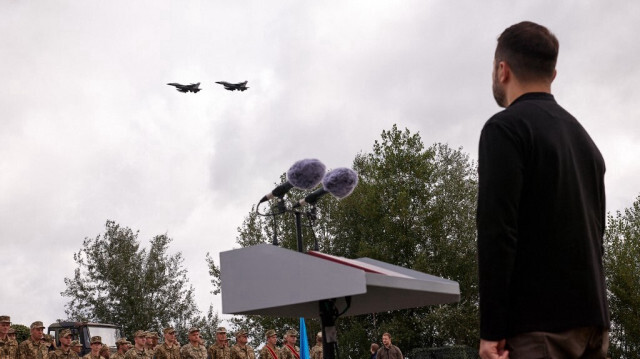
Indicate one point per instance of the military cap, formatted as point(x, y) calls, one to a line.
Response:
point(120, 341)
point(153, 335)
point(96, 339)
point(104, 348)
point(75, 343)
point(11, 331)
point(64, 333)
point(37, 324)
point(128, 342)
point(291, 333)
point(140, 333)
point(47, 338)
point(193, 330)
point(168, 330)
point(269, 333)
point(221, 330)
point(5, 319)
point(241, 332)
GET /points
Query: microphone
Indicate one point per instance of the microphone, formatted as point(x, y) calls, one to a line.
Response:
point(304, 174)
point(340, 182)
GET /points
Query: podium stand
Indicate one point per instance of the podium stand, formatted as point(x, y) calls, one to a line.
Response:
point(252, 282)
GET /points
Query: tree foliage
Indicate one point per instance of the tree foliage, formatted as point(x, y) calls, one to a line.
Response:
point(117, 281)
point(622, 268)
point(413, 207)
point(22, 332)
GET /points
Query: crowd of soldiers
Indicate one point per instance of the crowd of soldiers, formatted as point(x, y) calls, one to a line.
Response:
point(145, 345)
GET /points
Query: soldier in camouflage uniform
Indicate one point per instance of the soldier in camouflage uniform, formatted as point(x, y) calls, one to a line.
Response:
point(316, 351)
point(64, 351)
point(96, 347)
point(12, 334)
point(241, 350)
point(170, 348)
point(105, 351)
point(121, 345)
point(76, 346)
point(34, 347)
point(139, 350)
point(193, 350)
point(8, 345)
point(152, 341)
point(220, 350)
point(289, 349)
point(50, 341)
point(270, 351)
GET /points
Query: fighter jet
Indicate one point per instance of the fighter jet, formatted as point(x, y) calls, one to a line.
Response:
point(240, 86)
point(186, 88)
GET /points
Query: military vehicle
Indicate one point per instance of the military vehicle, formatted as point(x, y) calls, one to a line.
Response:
point(83, 331)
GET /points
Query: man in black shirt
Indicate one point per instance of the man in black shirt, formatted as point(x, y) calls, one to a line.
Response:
point(541, 214)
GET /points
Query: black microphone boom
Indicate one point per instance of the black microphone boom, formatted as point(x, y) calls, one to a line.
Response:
point(279, 191)
point(311, 198)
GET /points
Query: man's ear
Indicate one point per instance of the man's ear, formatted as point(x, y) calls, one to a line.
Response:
point(504, 72)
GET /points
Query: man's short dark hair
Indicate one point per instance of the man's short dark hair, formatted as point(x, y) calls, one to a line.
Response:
point(531, 50)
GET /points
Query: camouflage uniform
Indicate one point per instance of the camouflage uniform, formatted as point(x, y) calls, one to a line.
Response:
point(219, 351)
point(316, 352)
point(266, 354)
point(90, 355)
point(191, 351)
point(8, 347)
point(287, 353)
point(164, 352)
point(119, 343)
point(238, 352)
point(29, 349)
point(61, 354)
point(134, 353)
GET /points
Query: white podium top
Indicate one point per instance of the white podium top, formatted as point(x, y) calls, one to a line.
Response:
point(269, 280)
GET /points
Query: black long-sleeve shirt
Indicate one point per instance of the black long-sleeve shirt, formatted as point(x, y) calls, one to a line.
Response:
point(540, 220)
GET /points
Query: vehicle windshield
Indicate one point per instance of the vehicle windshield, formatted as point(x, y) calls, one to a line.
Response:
point(109, 335)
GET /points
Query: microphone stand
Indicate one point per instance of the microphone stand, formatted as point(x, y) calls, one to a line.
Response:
point(328, 310)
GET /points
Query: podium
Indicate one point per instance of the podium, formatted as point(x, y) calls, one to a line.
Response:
point(269, 280)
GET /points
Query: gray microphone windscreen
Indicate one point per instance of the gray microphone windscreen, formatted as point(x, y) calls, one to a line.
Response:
point(340, 182)
point(306, 174)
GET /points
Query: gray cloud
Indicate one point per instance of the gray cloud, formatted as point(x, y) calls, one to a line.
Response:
point(91, 132)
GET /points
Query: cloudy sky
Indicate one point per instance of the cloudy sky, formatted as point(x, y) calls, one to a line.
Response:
point(90, 131)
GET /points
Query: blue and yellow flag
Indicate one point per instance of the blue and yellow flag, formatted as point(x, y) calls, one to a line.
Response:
point(304, 340)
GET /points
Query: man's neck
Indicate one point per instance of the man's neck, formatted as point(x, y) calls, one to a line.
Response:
point(65, 348)
point(5, 337)
point(195, 344)
point(35, 340)
point(140, 347)
point(520, 89)
point(241, 345)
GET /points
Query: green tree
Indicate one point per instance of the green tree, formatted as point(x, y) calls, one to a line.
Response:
point(622, 268)
point(413, 207)
point(118, 282)
point(22, 332)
